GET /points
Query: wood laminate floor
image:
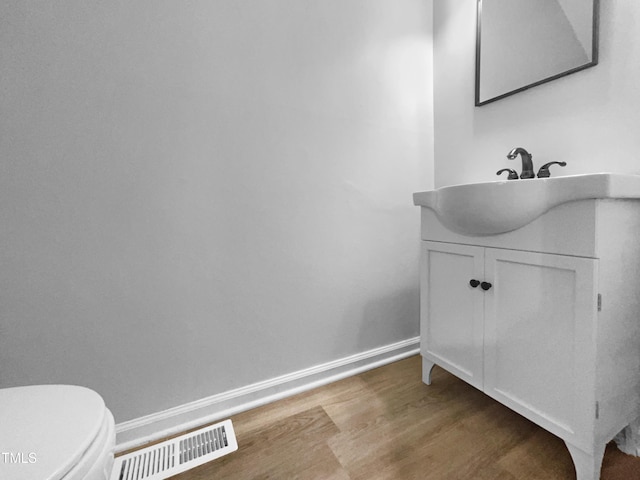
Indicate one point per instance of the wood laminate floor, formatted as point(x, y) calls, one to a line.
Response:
point(386, 424)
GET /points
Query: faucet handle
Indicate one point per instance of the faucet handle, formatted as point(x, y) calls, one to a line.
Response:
point(544, 170)
point(513, 175)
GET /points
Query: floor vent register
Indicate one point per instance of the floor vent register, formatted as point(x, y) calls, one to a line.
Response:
point(177, 455)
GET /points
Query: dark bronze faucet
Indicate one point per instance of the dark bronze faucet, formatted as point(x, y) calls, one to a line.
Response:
point(544, 169)
point(527, 163)
point(513, 175)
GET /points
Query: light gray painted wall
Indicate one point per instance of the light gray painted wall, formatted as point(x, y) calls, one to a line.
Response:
point(589, 119)
point(199, 196)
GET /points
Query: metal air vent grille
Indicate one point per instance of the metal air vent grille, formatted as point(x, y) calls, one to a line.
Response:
point(177, 455)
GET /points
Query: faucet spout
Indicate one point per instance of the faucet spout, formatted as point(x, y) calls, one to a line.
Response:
point(527, 163)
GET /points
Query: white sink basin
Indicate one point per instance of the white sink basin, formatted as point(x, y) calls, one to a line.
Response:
point(497, 207)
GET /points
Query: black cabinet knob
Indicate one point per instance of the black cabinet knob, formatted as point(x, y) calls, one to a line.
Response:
point(485, 286)
point(474, 283)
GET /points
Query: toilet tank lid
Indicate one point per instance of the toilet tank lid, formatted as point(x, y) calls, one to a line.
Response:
point(45, 429)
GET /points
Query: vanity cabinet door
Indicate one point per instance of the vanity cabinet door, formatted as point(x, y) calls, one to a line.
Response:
point(451, 310)
point(539, 346)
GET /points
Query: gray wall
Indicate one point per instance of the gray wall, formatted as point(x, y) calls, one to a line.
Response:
point(196, 196)
point(589, 119)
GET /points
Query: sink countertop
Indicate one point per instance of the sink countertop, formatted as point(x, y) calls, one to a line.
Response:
point(495, 207)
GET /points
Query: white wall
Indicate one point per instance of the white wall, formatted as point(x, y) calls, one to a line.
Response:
point(589, 119)
point(198, 196)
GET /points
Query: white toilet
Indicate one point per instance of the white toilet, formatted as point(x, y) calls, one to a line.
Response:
point(55, 432)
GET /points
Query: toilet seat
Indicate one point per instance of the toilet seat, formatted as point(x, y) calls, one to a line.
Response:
point(97, 461)
point(54, 432)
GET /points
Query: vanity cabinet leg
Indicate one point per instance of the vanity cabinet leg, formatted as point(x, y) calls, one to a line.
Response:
point(427, 367)
point(587, 465)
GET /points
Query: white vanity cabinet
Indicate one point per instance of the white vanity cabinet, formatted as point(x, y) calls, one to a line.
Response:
point(506, 340)
point(451, 312)
point(545, 319)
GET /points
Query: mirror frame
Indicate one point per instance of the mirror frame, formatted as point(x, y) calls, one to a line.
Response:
point(592, 63)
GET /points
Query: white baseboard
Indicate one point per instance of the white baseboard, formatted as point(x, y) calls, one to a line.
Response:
point(139, 431)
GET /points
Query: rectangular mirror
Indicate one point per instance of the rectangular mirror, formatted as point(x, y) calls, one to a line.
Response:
point(523, 43)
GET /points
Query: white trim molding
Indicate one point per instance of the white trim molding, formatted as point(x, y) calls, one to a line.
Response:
point(139, 431)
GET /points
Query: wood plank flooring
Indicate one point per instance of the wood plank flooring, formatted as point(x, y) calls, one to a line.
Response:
point(386, 424)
